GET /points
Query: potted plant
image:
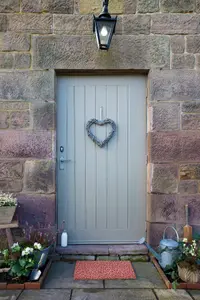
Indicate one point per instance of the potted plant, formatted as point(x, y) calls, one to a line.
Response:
point(8, 205)
point(41, 240)
point(188, 262)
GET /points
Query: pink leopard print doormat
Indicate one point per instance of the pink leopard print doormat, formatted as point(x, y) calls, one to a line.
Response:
point(100, 270)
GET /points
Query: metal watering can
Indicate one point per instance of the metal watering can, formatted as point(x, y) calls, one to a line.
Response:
point(168, 247)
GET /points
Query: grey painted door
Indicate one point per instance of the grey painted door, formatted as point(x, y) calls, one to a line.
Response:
point(101, 191)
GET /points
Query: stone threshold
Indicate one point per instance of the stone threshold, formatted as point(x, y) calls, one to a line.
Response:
point(103, 249)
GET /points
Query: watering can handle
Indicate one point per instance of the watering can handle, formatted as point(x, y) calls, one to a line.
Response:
point(177, 236)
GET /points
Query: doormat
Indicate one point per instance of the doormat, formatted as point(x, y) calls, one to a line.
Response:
point(100, 270)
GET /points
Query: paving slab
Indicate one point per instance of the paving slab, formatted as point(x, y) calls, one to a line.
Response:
point(127, 249)
point(172, 295)
point(45, 295)
point(146, 277)
point(9, 295)
point(61, 275)
point(103, 257)
point(113, 294)
point(195, 294)
point(83, 249)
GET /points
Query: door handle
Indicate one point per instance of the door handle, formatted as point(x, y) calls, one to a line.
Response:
point(62, 161)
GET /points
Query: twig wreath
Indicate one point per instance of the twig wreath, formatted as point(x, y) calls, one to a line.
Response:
point(97, 141)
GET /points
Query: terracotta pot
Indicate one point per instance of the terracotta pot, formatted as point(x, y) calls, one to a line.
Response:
point(188, 275)
point(6, 214)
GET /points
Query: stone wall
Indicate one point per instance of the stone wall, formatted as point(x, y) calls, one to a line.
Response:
point(161, 37)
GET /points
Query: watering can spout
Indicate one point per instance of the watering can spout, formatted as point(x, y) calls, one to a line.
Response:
point(157, 256)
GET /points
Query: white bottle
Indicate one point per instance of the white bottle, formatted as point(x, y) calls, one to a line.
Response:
point(64, 239)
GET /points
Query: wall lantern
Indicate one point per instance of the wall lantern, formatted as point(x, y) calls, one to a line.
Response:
point(104, 27)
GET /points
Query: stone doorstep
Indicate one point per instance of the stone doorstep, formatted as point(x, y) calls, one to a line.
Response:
point(112, 250)
point(102, 252)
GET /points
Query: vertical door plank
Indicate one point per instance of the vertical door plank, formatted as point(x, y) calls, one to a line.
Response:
point(101, 184)
point(122, 158)
point(61, 141)
point(80, 156)
point(90, 161)
point(70, 165)
point(112, 166)
point(138, 145)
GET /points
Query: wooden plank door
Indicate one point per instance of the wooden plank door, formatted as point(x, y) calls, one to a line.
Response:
point(102, 191)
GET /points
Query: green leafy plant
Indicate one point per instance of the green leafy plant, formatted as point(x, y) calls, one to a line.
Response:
point(7, 199)
point(21, 259)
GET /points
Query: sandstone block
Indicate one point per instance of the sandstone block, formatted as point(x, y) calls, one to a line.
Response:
point(190, 121)
point(165, 147)
point(73, 24)
point(36, 209)
point(197, 61)
point(22, 60)
point(11, 41)
point(20, 119)
point(175, 24)
point(136, 24)
point(52, 6)
point(177, 6)
point(3, 23)
point(8, 6)
point(174, 85)
point(95, 7)
point(164, 179)
point(78, 24)
point(190, 146)
point(33, 23)
point(39, 176)
point(23, 144)
point(190, 171)
point(165, 116)
point(6, 61)
point(191, 107)
point(193, 202)
point(126, 52)
point(11, 105)
point(177, 146)
point(177, 44)
point(193, 44)
point(147, 6)
point(188, 187)
point(183, 61)
point(161, 208)
point(130, 6)
point(198, 6)
point(43, 116)
point(4, 119)
point(39, 85)
point(11, 169)
point(11, 186)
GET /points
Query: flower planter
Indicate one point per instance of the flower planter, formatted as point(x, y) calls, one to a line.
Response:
point(6, 214)
point(36, 285)
point(182, 285)
point(188, 275)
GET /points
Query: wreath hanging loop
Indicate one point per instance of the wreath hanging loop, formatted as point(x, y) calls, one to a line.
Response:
point(97, 141)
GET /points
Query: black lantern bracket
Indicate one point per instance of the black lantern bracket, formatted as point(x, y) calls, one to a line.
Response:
point(104, 27)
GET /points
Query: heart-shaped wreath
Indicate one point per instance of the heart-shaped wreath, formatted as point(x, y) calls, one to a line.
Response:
point(100, 143)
